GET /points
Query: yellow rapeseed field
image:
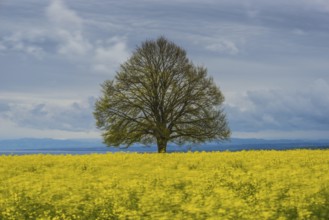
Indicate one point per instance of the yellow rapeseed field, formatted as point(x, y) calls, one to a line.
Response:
point(219, 185)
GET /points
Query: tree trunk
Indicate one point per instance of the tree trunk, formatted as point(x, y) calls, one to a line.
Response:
point(162, 145)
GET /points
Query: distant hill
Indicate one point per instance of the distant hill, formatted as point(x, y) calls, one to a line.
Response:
point(32, 143)
point(236, 144)
point(84, 146)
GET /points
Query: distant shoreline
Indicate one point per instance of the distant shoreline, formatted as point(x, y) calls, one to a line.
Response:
point(91, 146)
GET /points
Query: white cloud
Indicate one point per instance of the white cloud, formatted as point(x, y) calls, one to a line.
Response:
point(2, 47)
point(102, 55)
point(298, 32)
point(322, 5)
point(252, 13)
point(73, 44)
point(63, 17)
point(110, 54)
point(73, 116)
point(19, 42)
point(68, 29)
point(64, 32)
point(223, 46)
point(277, 43)
point(281, 110)
point(10, 130)
point(277, 134)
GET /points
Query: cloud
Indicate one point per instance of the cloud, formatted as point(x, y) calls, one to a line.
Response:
point(65, 34)
point(74, 116)
point(4, 107)
point(250, 47)
point(102, 55)
point(17, 42)
point(10, 130)
point(282, 110)
point(223, 46)
point(109, 54)
point(63, 17)
point(73, 45)
point(322, 5)
point(67, 27)
point(298, 32)
point(2, 47)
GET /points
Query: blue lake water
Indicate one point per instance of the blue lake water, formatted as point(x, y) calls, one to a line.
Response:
point(50, 146)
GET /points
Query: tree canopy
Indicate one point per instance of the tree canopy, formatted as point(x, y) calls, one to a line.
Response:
point(159, 96)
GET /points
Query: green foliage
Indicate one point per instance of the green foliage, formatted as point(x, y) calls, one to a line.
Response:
point(240, 185)
point(159, 96)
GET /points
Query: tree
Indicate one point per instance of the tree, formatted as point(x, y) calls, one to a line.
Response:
point(158, 95)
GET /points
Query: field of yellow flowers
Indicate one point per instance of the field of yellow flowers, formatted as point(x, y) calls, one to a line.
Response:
point(219, 185)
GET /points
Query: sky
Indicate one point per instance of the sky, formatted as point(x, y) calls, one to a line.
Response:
point(269, 58)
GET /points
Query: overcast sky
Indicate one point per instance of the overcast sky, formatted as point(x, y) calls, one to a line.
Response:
point(270, 59)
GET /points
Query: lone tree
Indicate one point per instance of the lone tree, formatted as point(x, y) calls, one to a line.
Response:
point(158, 95)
